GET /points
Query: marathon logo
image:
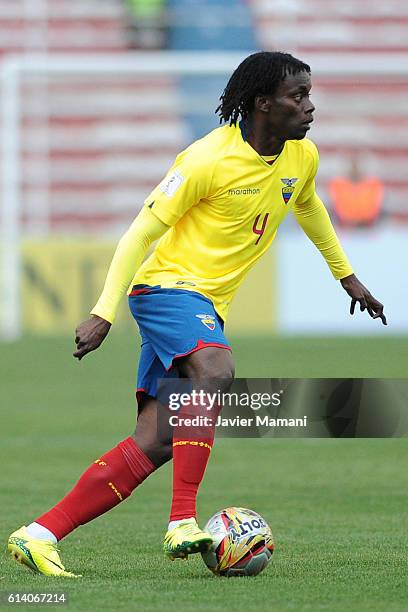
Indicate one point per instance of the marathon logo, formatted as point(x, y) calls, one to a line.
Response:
point(238, 191)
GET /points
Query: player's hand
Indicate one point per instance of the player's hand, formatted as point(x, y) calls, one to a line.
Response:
point(90, 334)
point(361, 294)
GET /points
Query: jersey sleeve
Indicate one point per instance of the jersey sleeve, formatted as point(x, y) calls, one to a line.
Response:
point(312, 216)
point(312, 163)
point(187, 182)
point(132, 247)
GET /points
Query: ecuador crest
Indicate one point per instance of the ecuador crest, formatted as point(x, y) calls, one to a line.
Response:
point(207, 320)
point(288, 189)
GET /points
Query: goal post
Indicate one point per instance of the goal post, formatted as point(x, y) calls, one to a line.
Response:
point(10, 265)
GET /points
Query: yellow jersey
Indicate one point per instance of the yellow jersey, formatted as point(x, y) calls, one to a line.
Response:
point(224, 203)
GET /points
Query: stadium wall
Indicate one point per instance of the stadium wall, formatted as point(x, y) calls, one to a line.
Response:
point(62, 280)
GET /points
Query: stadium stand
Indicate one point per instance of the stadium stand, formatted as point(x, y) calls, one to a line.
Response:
point(364, 117)
point(93, 148)
point(147, 24)
point(318, 25)
point(89, 145)
point(103, 153)
point(62, 25)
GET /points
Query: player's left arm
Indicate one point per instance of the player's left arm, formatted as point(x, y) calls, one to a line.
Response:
point(314, 219)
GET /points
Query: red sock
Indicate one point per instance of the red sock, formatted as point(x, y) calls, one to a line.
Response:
point(191, 451)
point(190, 459)
point(107, 482)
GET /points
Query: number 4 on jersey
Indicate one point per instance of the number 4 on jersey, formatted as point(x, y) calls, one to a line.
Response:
point(260, 230)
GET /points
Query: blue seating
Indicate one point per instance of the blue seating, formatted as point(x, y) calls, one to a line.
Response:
point(210, 24)
point(198, 25)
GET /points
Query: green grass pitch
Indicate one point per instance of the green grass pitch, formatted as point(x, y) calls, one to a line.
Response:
point(338, 508)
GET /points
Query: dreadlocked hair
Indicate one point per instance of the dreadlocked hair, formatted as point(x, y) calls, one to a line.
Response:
point(258, 74)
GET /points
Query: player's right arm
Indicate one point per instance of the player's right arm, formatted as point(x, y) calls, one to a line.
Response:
point(187, 182)
point(129, 254)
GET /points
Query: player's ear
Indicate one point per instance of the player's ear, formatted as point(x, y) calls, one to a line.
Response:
point(262, 103)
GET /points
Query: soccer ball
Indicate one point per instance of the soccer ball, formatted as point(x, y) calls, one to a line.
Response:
point(243, 543)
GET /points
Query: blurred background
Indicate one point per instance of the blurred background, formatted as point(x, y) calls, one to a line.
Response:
point(97, 98)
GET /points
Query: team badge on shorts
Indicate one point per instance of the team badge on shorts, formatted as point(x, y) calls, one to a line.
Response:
point(288, 189)
point(207, 320)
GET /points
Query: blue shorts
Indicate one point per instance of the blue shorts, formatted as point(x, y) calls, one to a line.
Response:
point(172, 323)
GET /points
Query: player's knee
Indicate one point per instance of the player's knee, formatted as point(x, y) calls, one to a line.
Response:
point(209, 365)
point(158, 451)
point(224, 375)
point(221, 371)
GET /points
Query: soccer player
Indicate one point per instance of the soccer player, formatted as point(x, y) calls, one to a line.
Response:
point(216, 212)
